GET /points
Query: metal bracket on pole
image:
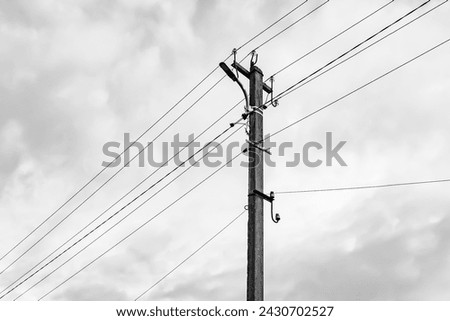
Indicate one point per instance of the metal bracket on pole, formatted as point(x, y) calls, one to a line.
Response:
point(246, 73)
point(269, 199)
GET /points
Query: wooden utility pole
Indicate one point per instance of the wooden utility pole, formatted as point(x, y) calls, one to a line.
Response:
point(255, 254)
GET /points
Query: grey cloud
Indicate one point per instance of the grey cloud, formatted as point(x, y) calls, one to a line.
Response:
point(391, 245)
point(209, 286)
point(48, 129)
point(388, 262)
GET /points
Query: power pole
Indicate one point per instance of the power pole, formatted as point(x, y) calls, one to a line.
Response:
point(255, 252)
point(256, 196)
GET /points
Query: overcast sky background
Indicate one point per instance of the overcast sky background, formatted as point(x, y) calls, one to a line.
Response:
point(76, 74)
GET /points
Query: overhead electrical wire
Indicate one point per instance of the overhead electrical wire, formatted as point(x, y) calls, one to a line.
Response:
point(120, 199)
point(360, 88)
point(407, 62)
point(40, 239)
point(273, 24)
point(12, 288)
point(322, 190)
point(347, 188)
point(140, 227)
point(332, 38)
point(363, 187)
point(135, 186)
point(278, 96)
point(357, 89)
point(311, 190)
point(104, 168)
point(140, 136)
point(430, 10)
point(363, 49)
point(154, 139)
point(291, 25)
point(190, 256)
point(357, 187)
point(342, 97)
point(339, 188)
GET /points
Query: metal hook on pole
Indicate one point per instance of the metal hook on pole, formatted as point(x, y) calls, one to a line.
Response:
point(275, 218)
point(254, 58)
point(234, 52)
point(273, 102)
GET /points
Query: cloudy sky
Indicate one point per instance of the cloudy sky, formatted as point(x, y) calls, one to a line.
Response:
point(77, 74)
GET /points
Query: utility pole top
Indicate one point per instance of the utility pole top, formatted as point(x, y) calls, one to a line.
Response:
point(242, 70)
point(254, 68)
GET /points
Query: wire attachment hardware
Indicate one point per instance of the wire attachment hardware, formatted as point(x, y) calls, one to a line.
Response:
point(234, 52)
point(237, 123)
point(254, 58)
point(269, 199)
point(273, 102)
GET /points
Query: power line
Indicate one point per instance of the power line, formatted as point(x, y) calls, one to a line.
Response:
point(350, 188)
point(121, 198)
point(112, 177)
point(140, 136)
point(190, 256)
point(273, 24)
point(140, 227)
point(66, 242)
point(91, 195)
point(291, 25)
point(316, 190)
point(287, 28)
point(144, 148)
point(363, 49)
point(345, 188)
point(361, 87)
point(124, 207)
point(350, 50)
point(104, 168)
point(332, 38)
point(107, 181)
point(358, 89)
point(379, 186)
